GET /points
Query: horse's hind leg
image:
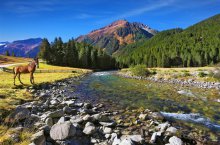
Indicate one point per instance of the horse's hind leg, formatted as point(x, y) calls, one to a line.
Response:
point(19, 77)
point(15, 75)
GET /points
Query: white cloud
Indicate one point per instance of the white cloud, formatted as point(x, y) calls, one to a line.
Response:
point(22, 6)
point(148, 7)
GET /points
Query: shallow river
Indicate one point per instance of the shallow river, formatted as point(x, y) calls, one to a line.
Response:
point(189, 104)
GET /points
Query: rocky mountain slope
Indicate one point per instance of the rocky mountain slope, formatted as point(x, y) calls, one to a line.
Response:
point(117, 34)
point(24, 48)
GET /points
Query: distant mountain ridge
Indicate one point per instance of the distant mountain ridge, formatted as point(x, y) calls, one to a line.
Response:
point(119, 33)
point(24, 48)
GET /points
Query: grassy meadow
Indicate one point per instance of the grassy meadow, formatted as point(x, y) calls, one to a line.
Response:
point(195, 73)
point(11, 96)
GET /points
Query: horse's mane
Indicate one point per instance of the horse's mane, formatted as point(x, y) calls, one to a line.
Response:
point(31, 62)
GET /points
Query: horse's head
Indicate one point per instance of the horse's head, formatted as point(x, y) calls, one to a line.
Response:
point(36, 62)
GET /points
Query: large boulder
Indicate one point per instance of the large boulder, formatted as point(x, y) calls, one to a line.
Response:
point(38, 138)
point(19, 114)
point(62, 131)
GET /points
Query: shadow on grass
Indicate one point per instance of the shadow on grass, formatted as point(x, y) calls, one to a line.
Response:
point(2, 96)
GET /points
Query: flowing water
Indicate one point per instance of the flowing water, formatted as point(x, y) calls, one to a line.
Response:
point(177, 102)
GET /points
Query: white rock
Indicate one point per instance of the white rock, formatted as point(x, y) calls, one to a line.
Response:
point(163, 126)
point(172, 130)
point(127, 142)
point(143, 116)
point(175, 141)
point(107, 124)
point(87, 117)
point(116, 141)
point(107, 136)
point(107, 130)
point(89, 128)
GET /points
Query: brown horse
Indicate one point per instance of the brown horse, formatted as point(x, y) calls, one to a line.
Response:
point(30, 68)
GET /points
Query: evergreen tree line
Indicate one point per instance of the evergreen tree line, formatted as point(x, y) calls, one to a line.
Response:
point(7, 53)
point(198, 45)
point(75, 54)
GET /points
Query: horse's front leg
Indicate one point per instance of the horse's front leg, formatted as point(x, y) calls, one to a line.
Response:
point(19, 77)
point(32, 78)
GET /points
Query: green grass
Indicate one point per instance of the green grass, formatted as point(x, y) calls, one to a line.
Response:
point(5, 136)
point(185, 73)
point(11, 96)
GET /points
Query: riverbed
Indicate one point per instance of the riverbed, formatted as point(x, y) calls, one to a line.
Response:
point(199, 106)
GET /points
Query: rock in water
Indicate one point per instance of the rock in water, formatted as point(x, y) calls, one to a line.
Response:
point(62, 131)
point(38, 138)
point(175, 141)
point(20, 113)
point(89, 128)
point(157, 116)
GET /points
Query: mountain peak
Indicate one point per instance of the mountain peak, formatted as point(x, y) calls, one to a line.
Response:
point(119, 22)
point(117, 34)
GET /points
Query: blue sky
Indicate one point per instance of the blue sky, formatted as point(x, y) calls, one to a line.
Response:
point(22, 19)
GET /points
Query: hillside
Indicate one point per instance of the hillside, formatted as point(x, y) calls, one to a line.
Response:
point(197, 45)
point(11, 60)
point(117, 34)
point(22, 48)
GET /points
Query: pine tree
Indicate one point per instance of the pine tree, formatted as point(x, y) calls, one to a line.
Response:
point(45, 50)
point(7, 53)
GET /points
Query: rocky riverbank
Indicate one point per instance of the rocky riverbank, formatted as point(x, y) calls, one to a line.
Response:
point(184, 82)
point(58, 118)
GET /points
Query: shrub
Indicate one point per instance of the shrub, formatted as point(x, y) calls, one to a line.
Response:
point(202, 74)
point(184, 71)
point(186, 74)
point(215, 73)
point(153, 71)
point(139, 70)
